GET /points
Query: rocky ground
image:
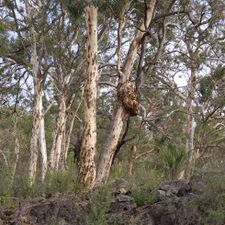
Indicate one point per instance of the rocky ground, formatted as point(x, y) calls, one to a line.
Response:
point(173, 205)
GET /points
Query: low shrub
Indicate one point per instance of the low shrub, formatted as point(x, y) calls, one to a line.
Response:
point(212, 200)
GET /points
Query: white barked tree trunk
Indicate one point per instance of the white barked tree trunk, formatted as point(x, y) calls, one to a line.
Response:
point(120, 114)
point(38, 129)
point(190, 126)
point(87, 166)
point(42, 143)
point(59, 134)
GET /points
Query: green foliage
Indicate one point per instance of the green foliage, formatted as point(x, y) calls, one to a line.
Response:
point(143, 196)
point(217, 216)
point(171, 160)
point(213, 83)
point(76, 9)
point(206, 88)
point(117, 173)
point(152, 136)
point(212, 201)
point(21, 187)
point(99, 204)
point(116, 6)
point(3, 45)
point(143, 184)
point(4, 40)
point(8, 201)
point(61, 182)
point(219, 72)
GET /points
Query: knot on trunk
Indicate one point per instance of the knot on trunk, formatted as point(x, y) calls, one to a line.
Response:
point(127, 94)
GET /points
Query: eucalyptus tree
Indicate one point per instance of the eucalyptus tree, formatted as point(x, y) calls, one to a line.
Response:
point(87, 166)
point(65, 49)
point(38, 129)
point(210, 137)
point(28, 23)
point(191, 50)
point(93, 34)
point(124, 71)
point(199, 35)
point(133, 20)
point(149, 13)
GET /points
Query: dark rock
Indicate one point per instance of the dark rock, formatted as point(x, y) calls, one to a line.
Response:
point(67, 211)
point(176, 211)
point(198, 184)
point(172, 189)
point(174, 206)
point(120, 186)
point(122, 203)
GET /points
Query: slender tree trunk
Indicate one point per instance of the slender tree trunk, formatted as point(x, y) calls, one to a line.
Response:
point(62, 165)
point(67, 138)
point(38, 138)
point(16, 151)
point(66, 145)
point(110, 146)
point(38, 131)
point(35, 134)
point(59, 135)
point(87, 167)
point(36, 110)
point(120, 114)
point(42, 144)
point(190, 126)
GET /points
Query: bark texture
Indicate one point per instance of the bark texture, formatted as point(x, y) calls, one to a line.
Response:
point(38, 129)
point(190, 126)
point(59, 134)
point(87, 167)
point(35, 136)
point(42, 143)
point(120, 113)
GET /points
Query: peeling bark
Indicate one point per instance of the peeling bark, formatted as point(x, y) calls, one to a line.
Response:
point(120, 114)
point(87, 167)
point(38, 130)
point(35, 135)
point(59, 134)
point(67, 137)
point(110, 146)
point(16, 151)
point(42, 144)
point(190, 126)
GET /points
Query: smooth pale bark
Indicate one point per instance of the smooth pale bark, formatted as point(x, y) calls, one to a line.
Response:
point(35, 134)
point(36, 110)
point(16, 151)
point(38, 130)
point(120, 114)
point(190, 126)
point(59, 134)
point(87, 167)
point(109, 147)
point(38, 137)
point(42, 144)
point(16, 159)
point(66, 145)
point(67, 137)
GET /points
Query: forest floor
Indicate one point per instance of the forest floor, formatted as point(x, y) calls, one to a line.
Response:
point(199, 202)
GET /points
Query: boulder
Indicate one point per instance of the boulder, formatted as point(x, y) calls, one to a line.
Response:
point(122, 203)
point(176, 211)
point(174, 206)
point(58, 211)
point(171, 189)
